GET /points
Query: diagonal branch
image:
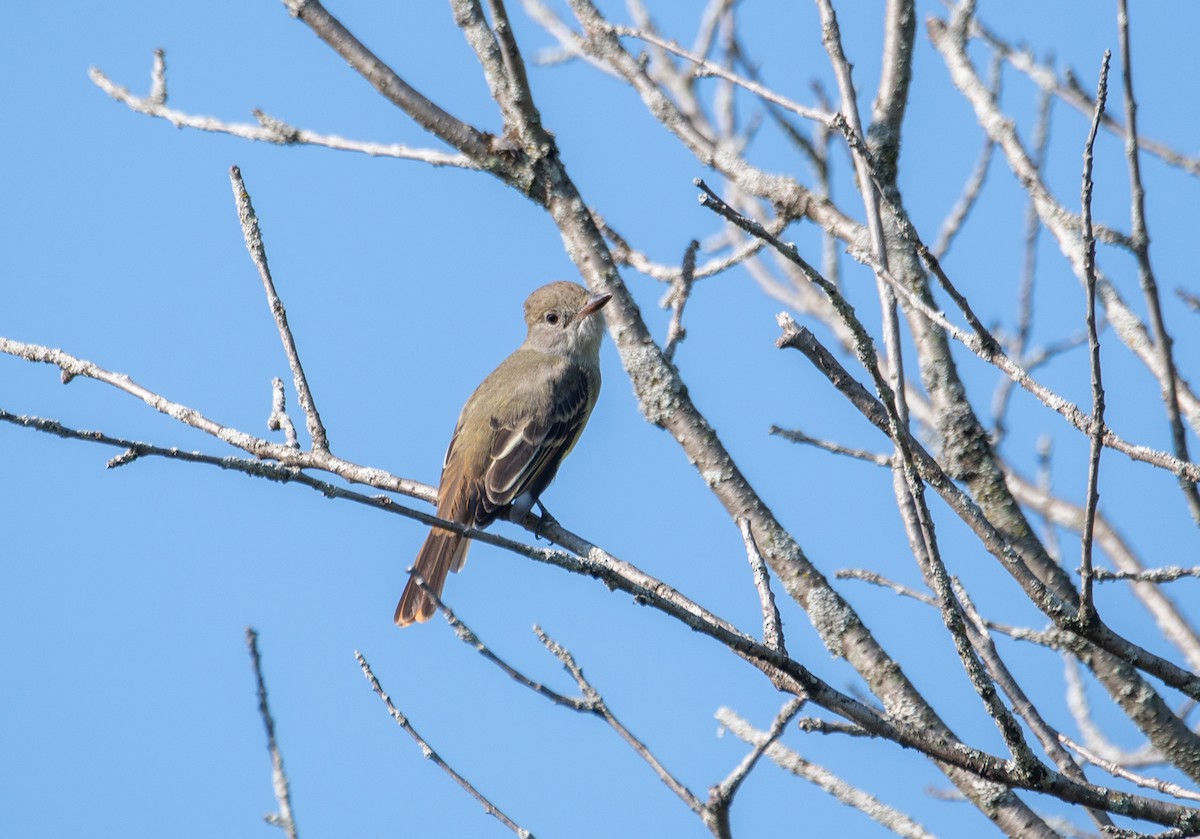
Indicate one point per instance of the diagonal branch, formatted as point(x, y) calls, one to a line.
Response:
point(284, 819)
point(467, 139)
point(258, 253)
point(595, 704)
point(772, 625)
point(427, 750)
point(950, 41)
point(720, 797)
point(1051, 605)
point(1141, 248)
point(791, 761)
point(1072, 92)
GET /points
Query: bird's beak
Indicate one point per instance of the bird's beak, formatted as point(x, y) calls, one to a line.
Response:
point(594, 304)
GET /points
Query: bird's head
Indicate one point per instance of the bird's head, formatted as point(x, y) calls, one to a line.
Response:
point(562, 318)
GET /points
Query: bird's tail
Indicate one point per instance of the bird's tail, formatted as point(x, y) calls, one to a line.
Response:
point(443, 551)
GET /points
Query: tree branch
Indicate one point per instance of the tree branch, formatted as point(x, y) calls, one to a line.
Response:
point(284, 819)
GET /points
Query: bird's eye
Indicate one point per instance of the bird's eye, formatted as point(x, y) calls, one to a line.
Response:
point(552, 318)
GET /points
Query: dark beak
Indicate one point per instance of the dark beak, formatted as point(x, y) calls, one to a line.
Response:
point(594, 304)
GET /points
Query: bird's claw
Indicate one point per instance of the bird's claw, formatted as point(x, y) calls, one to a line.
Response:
point(543, 521)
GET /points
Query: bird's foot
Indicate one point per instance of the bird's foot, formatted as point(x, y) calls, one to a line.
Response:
point(545, 520)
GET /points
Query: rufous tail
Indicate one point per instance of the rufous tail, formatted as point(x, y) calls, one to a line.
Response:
point(442, 551)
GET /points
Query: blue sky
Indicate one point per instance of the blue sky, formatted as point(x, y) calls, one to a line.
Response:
point(129, 704)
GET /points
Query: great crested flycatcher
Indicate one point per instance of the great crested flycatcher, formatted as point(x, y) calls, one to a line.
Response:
point(514, 431)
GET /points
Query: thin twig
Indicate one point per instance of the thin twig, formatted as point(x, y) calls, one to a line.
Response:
point(73, 367)
point(1021, 704)
point(797, 436)
point(875, 578)
point(1087, 606)
point(279, 419)
point(982, 343)
point(427, 750)
point(1073, 93)
point(1166, 574)
point(1141, 248)
point(625, 254)
point(1033, 226)
point(1052, 638)
point(993, 540)
point(285, 820)
point(1117, 771)
point(950, 41)
point(791, 761)
point(467, 636)
point(598, 706)
point(258, 254)
point(268, 130)
point(772, 624)
point(677, 298)
point(812, 725)
point(974, 185)
point(708, 68)
point(720, 797)
point(158, 78)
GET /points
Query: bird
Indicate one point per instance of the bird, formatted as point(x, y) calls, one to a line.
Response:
point(514, 432)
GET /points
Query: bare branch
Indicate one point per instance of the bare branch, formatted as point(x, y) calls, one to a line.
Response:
point(988, 350)
point(998, 670)
point(1167, 574)
point(1141, 247)
point(595, 704)
point(73, 367)
point(1087, 608)
point(1033, 226)
point(720, 797)
point(468, 637)
point(284, 819)
point(772, 625)
point(892, 819)
point(996, 544)
point(279, 419)
point(1171, 622)
point(258, 254)
point(1072, 92)
point(797, 436)
point(677, 297)
point(268, 129)
point(848, 121)
point(705, 67)
point(427, 750)
point(470, 141)
point(1165, 787)
point(625, 254)
point(974, 186)
point(949, 39)
point(519, 99)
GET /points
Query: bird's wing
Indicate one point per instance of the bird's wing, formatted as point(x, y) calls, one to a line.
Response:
point(527, 449)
